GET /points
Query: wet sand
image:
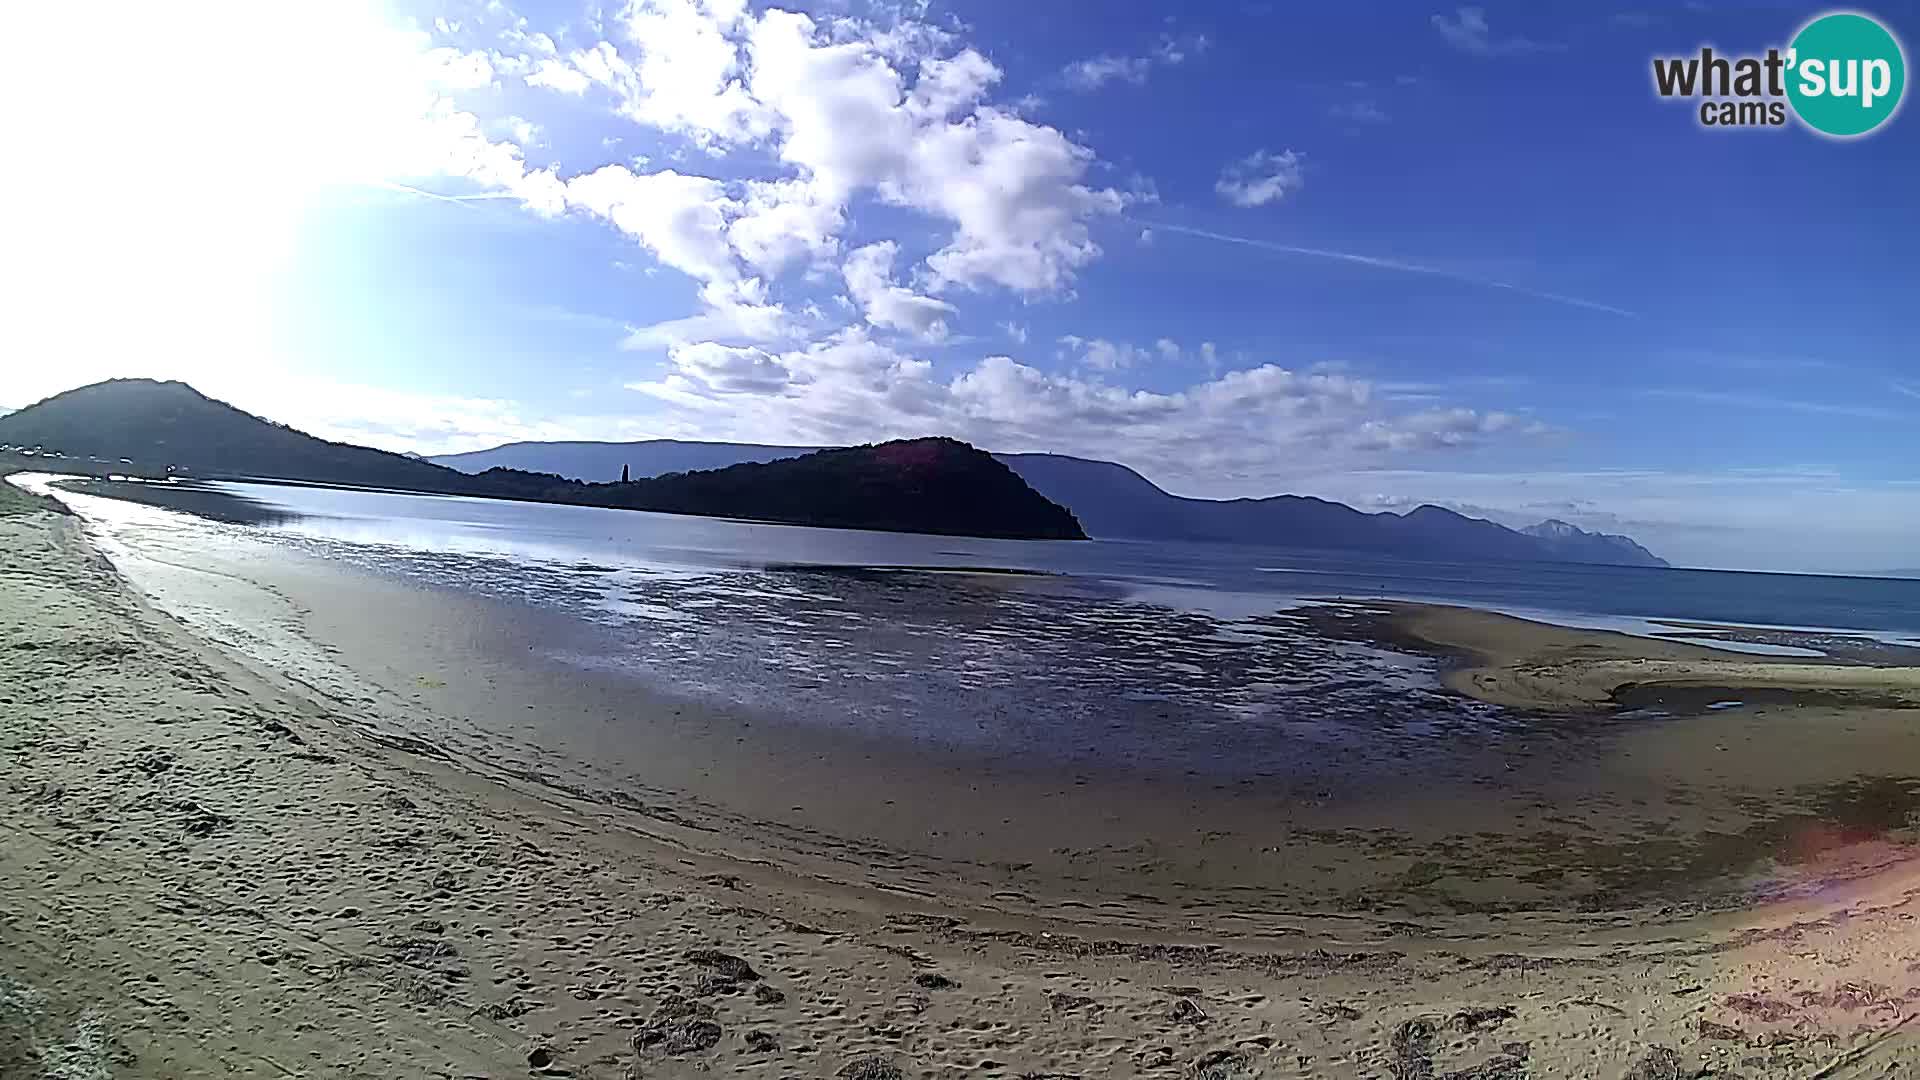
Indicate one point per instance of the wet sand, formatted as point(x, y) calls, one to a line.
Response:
point(364, 828)
point(1523, 664)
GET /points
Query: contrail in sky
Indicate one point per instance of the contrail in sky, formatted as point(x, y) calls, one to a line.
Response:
point(1389, 264)
point(409, 189)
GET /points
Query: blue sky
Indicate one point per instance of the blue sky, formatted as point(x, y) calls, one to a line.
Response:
point(1387, 253)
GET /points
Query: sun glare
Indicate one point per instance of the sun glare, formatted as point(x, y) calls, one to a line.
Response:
point(174, 172)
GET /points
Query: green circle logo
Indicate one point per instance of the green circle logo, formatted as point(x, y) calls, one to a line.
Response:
point(1845, 74)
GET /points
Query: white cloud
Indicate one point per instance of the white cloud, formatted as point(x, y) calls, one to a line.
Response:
point(846, 121)
point(1092, 74)
point(727, 322)
point(522, 131)
point(1176, 50)
point(557, 75)
point(1358, 113)
point(1467, 30)
point(456, 70)
point(953, 85)
point(869, 274)
point(837, 108)
point(681, 219)
point(1241, 430)
point(783, 221)
point(1441, 427)
point(529, 41)
point(718, 369)
point(688, 76)
point(1103, 355)
point(1100, 354)
point(1260, 178)
point(1012, 188)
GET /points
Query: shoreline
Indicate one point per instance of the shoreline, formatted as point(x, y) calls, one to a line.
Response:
point(1819, 643)
point(1518, 811)
point(1518, 663)
point(237, 803)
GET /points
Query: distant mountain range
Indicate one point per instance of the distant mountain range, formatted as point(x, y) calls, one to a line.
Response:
point(1571, 540)
point(1113, 501)
point(171, 423)
point(600, 462)
point(922, 485)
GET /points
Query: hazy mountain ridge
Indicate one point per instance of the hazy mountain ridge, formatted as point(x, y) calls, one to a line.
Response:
point(1578, 545)
point(1111, 500)
point(923, 485)
point(600, 462)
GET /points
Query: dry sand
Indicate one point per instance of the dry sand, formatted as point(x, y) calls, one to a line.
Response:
point(208, 869)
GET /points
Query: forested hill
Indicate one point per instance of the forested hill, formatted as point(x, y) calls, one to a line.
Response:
point(1112, 501)
point(932, 485)
point(921, 485)
point(171, 423)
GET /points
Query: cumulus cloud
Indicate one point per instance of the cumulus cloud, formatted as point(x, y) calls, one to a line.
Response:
point(723, 319)
point(1247, 426)
point(1103, 355)
point(1261, 178)
point(682, 220)
point(869, 274)
point(557, 75)
point(524, 132)
point(835, 105)
point(843, 115)
point(687, 76)
point(1431, 428)
point(444, 141)
point(456, 70)
point(781, 222)
point(1013, 189)
point(718, 369)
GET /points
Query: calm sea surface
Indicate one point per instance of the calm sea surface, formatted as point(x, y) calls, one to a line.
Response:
point(1184, 657)
point(1222, 579)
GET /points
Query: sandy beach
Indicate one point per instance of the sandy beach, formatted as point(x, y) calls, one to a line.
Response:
point(365, 841)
